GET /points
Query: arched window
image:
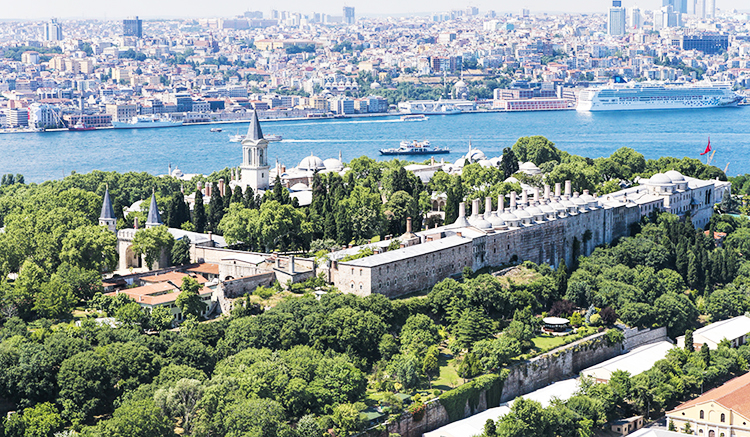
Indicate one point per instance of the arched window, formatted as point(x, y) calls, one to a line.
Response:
point(723, 417)
point(702, 414)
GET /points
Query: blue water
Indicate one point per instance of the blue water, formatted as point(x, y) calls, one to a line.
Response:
point(195, 149)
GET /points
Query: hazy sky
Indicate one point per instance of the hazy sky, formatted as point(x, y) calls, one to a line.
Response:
point(42, 9)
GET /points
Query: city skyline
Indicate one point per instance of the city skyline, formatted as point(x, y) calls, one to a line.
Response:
point(89, 9)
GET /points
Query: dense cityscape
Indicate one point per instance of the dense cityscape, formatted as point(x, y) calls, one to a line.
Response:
point(59, 74)
point(473, 285)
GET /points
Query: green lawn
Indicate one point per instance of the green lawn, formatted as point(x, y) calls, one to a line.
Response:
point(547, 342)
point(448, 378)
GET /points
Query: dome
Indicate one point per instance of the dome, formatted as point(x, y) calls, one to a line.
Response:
point(460, 84)
point(557, 206)
point(511, 180)
point(528, 166)
point(485, 163)
point(177, 173)
point(460, 162)
point(508, 217)
point(578, 201)
point(299, 186)
point(479, 222)
point(568, 204)
point(522, 214)
point(311, 163)
point(475, 155)
point(660, 179)
point(588, 197)
point(675, 176)
point(534, 210)
point(333, 164)
point(496, 161)
point(375, 85)
point(547, 208)
point(495, 220)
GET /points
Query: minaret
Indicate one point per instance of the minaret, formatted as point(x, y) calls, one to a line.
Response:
point(154, 218)
point(107, 216)
point(254, 168)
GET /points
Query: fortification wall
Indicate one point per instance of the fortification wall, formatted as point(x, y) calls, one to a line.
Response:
point(238, 287)
point(635, 338)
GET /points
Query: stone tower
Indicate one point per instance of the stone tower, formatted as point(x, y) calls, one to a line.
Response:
point(254, 168)
point(154, 218)
point(107, 216)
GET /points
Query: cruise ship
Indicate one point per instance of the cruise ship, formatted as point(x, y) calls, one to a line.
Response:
point(428, 107)
point(145, 122)
point(639, 96)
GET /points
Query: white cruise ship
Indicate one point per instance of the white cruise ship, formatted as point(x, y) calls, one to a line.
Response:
point(637, 96)
point(146, 121)
point(428, 107)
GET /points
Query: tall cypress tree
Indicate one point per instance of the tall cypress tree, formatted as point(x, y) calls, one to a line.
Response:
point(237, 195)
point(215, 208)
point(199, 213)
point(249, 198)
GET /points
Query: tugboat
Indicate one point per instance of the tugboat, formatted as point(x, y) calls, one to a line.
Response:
point(415, 148)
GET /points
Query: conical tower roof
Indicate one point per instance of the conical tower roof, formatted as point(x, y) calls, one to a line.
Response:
point(254, 132)
point(108, 213)
point(154, 218)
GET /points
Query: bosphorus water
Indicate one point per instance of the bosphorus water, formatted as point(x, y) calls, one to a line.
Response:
point(194, 149)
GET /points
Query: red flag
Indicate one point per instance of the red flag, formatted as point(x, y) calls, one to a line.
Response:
point(708, 147)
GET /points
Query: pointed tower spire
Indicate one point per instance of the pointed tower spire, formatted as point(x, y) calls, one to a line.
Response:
point(153, 219)
point(253, 131)
point(107, 216)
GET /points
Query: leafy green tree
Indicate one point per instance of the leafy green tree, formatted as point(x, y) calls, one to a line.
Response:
point(676, 312)
point(430, 364)
point(405, 369)
point(180, 254)
point(131, 314)
point(85, 389)
point(400, 206)
point(496, 353)
point(215, 208)
point(189, 300)
point(41, 420)
point(84, 283)
point(177, 211)
point(308, 426)
point(689, 342)
point(418, 334)
point(526, 418)
point(727, 302)
point(536, 149)
point(347, 418)
point(472, 326)
point(181, 400)
point(90, 248)
point(160, 318)
point(152, 242)
point(55, 298)
point(255, 417)
point(706, 355)
point(134, 418)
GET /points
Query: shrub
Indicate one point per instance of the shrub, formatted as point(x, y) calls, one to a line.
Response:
point(595, 320)
point(608, 316)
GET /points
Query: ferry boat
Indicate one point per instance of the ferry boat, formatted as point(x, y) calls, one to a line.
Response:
point(415, 148)
point(146, 122)
point(414, 117)
point(639, 96)
point(216, 129)
point(239, 138)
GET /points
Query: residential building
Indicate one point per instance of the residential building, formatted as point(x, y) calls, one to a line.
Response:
point(121, 112)
point(349, 15)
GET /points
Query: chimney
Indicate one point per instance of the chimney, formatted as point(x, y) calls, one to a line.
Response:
point(291, 264)
point(500, 203)
point(546, 191)
point(208, 190)
point(524, 197)
point(408, 225)
point(557, 190)
point(536, 195)
point(487, 206)
point(221, 186)
point(568, 189)
point(512, 200)
point(475, 207)
point(211, 238)
point(585, 192)
point(135, 223)
point(462, 209)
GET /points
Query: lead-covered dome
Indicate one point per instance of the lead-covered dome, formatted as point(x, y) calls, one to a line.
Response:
point(311, 163)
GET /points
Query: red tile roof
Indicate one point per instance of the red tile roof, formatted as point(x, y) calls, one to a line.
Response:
point(734, 395)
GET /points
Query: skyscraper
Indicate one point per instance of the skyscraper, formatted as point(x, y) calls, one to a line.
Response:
point(700, 8)
point(616, 19)
point(349, 15)
point(678, 6)
point(132, 27)
point(53, 31)
point(711, 8)
point(634, 19)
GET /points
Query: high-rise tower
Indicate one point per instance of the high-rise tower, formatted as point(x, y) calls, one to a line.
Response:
point(349, 15)
point(254, 168)
point(616, 19)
